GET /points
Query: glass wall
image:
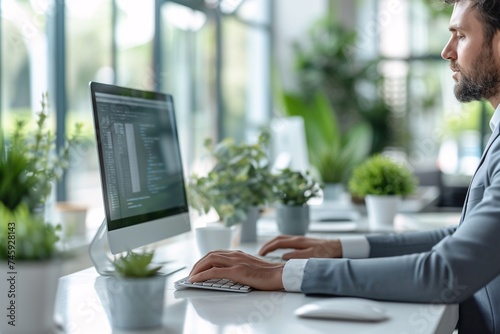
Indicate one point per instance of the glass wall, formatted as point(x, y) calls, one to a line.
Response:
point(134, 44)
point(432, 128)
point(114, 41)
point(189, 74)
point(247, 54)
point(24, 59)
point(88, 58)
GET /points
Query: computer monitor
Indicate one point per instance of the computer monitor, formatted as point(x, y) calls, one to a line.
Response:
point(140, 165)
point(288, 144)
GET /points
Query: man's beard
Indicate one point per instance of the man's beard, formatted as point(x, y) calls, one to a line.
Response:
point(483, 80)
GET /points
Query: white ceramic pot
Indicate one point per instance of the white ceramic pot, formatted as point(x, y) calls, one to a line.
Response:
point(213, 237)
point(381, 211)
point(28, 294)
point(136, 303)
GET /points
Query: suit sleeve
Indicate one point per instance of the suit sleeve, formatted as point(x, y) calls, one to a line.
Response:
point(406, 243)
point(458, 265)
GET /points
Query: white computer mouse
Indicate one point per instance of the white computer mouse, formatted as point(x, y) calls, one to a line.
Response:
point(344, 308)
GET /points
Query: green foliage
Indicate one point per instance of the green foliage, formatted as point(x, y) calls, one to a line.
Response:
point(34, 239)
point(136, 265)
point(333, 152)
point(29, 163)
point(327, 63)
point(381, 176)
point(239, 179)
point(469, 118)
point(438, 9)
point(293, 188)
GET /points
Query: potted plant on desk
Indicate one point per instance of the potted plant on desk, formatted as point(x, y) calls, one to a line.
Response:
point(236, 185)
point(381, 182)
point(28, 252)
point(293, 190)
point(136, 293)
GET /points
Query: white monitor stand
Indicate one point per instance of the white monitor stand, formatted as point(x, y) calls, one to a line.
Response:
point(102, 258)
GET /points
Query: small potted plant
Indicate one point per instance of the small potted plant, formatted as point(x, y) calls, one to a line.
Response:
point(236, 185)
point(293, 190)
point(381, 182)
point(29, 164)
point(136, 293)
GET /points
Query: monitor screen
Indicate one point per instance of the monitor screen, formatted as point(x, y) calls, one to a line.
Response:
point(140, 163)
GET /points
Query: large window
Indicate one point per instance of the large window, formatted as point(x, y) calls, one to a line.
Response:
point(199, 51)
point(432, 126)
point(24, 59)
point(246, 70)
point(134, 44)
point(88, 58)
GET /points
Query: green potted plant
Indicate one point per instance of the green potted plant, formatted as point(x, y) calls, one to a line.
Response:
point(293, 190)
point(136, 292)
point(236, 185)
point(29, 164)
point(381, 182)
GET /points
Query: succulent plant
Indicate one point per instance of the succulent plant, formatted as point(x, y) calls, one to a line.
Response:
point(136, 265)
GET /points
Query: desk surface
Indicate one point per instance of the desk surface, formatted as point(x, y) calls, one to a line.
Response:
point(82, 307)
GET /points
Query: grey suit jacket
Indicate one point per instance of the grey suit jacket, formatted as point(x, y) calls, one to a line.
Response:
point(451, 265)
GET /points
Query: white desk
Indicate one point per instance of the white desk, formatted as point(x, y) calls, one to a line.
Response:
point(82, 308)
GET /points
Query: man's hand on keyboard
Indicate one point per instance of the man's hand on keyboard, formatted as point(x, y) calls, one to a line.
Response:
point(239, 267)
point(305, 247)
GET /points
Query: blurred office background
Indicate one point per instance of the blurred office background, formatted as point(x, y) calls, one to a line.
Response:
point(226, 62)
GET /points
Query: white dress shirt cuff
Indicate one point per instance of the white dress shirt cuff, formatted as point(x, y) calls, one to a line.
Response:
point(356, 247)
point(293, 272)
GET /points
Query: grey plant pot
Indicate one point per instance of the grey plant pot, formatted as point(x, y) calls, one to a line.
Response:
point(249, 225)
point(136, 303)
point(293, 220)
point(333, 191)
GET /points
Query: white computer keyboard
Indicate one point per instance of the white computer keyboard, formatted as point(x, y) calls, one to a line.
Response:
point(221, 284)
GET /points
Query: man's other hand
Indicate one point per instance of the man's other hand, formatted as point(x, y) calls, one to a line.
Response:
point(305, 248)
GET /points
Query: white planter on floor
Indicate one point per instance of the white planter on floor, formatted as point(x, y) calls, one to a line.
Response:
point(381, 211)
point(28, 296)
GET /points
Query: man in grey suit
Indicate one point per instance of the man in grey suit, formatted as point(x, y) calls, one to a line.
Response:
point(450, 265)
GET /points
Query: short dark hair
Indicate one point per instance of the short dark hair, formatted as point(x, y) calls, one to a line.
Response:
point(489, 13)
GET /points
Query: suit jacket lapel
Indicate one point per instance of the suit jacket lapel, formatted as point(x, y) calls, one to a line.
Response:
point(493, 137)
